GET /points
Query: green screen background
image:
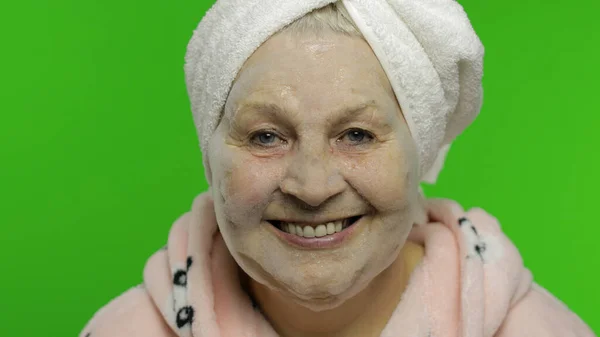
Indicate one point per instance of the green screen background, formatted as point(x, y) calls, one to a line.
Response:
point(99, 155)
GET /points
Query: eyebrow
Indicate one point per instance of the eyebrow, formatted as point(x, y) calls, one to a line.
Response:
point(275, 111)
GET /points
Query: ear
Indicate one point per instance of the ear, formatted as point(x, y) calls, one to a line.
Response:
point(421, 217)
point(207, 170)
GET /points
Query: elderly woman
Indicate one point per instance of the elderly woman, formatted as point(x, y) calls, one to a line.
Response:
point(318, 120)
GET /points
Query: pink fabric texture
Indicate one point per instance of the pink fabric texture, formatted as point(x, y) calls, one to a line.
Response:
point(471, 282)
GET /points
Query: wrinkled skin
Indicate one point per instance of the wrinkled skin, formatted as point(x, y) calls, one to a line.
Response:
point(284, 149)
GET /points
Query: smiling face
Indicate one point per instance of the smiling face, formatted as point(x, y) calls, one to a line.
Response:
point(312, 133)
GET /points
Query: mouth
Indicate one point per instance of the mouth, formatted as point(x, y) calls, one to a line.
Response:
point(315, 230)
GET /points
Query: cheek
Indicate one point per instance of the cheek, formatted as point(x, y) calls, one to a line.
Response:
point(383, 177)
point(246, 184)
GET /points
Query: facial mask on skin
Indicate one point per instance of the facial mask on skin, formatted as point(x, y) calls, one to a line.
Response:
point(438, 84)
point(313, 167)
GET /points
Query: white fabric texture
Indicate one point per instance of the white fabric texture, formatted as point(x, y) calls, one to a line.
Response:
point(432, 56)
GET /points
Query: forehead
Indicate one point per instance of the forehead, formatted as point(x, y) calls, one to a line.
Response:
point(315, 72)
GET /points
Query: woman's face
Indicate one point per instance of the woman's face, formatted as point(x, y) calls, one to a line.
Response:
point(312, 134)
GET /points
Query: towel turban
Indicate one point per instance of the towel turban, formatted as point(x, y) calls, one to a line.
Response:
point(428, 49)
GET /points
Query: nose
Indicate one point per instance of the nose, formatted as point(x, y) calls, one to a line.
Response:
point(313, 178)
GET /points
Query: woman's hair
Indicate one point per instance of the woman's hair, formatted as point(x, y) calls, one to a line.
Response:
point(333, 17)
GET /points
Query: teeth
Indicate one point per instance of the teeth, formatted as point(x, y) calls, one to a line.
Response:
point(299, 231)
point(311, 232)
point(330, 228)
point(320, 231)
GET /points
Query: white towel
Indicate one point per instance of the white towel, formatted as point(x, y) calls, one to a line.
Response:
point(428, 49)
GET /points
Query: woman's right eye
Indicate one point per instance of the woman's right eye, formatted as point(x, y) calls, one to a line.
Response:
point(265, 138)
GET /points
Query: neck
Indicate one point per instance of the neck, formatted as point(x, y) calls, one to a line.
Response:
point(366, 314)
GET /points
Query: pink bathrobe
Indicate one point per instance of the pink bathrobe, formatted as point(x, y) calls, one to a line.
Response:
point(470, 283)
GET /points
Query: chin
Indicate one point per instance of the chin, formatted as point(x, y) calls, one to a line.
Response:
point(319, 279)
point(323, 290)
point(328, 297)
point(321, 304)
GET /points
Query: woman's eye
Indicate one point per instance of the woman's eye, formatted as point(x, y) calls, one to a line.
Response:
point(358, 136)
point(265, 138)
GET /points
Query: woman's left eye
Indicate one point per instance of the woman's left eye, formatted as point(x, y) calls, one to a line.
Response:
point(358, 136)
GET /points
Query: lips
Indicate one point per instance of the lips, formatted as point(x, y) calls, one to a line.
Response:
point(317, 234)
point(315, 230)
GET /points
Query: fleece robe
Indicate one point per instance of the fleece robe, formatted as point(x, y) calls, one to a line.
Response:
point(471, 282)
